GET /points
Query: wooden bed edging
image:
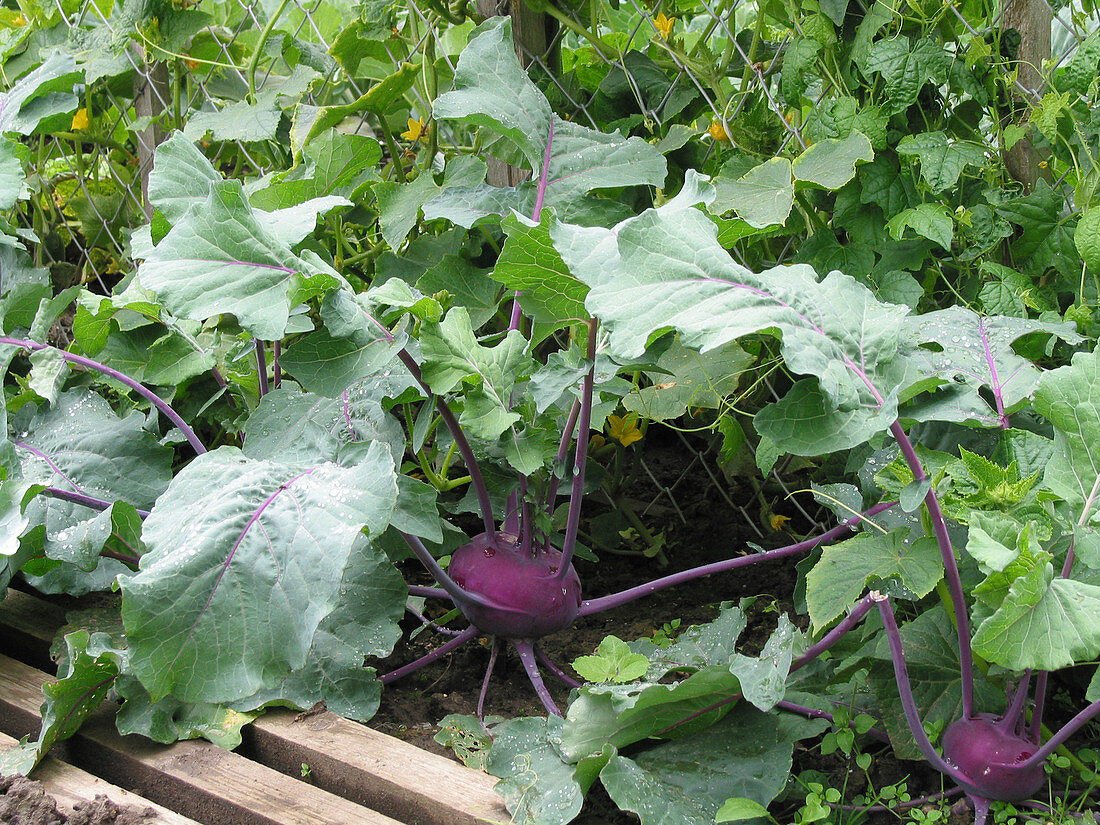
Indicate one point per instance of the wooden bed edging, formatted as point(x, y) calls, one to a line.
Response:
point(69, 785)
point(349, 763)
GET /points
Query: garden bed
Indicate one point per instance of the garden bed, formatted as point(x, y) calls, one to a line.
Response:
point(312, 767)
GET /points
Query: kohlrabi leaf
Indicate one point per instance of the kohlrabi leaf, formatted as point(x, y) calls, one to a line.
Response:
point(684, 782)
point(976, 352)
point(171, 720)
point(1069, 398)
point(452, 356)
point(845, 569)
point(492, 91)
point(363, 624)
point(666, 270)
point(220, 258)
point(81, 446)
point(530, 263)
point(181, 177)
point(77, 692)
point(353, 345)
point(246, 559)
point(1043, 623)
point(763, 678)
point(13, 186)
point(620, 715)
point(296, 427)
point(291, 224)
point(539, 787)
point(699, 646)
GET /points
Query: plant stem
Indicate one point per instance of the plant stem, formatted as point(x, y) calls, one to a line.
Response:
point(623, 597)
point(563, 451)
point(909, 704)
point(254, 60)
point(85, 500)
point(445, 413)
point(428, 658)
point(393, 149)
point(140, 389)
point(950, 567)
point(277, 371)
point(527, 655)
point(261, 368)
point(1068, 729)
point(576, 496)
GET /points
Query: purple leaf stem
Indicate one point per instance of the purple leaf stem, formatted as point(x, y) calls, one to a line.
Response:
point(449, 420)
point(345, 408)
point(536, 215)
point(429, 657)
point(511, 514)
point(140, 389)
point(623, 597)
point(261, 367)
point(446, 631)
point(909, 704)
point(1013, 716)
point(476, 479)
point(276, 353)
point(1036, 727)
point(133, 561)
point(584, 423)
point(428, 592)
point(833, 636)
point(86, 500)
point(1068, 729)
point(544, 178)
point(49, 462)
point(527, 656)
point(549, 664)
point(994, 384)
point(950, 567)
point(494, 649)
point(563, 451)
point(450, 586)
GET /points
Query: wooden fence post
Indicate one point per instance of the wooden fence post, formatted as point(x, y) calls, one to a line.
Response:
point(1032, 19)
point(532, 34)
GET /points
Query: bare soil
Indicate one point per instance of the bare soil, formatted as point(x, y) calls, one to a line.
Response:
point(25, 802)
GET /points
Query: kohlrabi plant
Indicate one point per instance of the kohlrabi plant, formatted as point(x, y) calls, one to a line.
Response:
point(259, 571)
point(863, 369)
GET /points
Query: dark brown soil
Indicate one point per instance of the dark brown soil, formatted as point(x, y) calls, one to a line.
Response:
point(25, 802)
point(709, 530)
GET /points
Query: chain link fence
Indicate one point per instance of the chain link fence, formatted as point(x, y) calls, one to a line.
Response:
point(242, 77)
point(220, 71)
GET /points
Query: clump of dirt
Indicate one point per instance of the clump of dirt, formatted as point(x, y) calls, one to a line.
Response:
point(25, 802)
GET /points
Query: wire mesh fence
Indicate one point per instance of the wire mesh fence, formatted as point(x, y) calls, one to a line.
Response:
point(241, 77)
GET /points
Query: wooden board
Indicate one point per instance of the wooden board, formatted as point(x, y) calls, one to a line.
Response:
point(345, 758)
point(196, 779)
point(69, 785)
point(375, 769)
